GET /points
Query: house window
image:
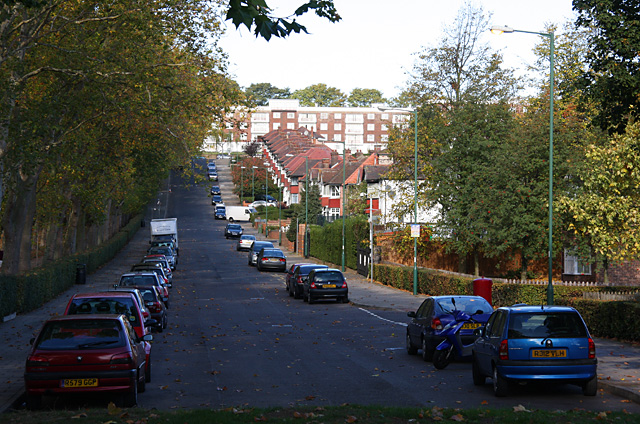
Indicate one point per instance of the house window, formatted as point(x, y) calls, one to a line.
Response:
point(260, 117)
point(385, 116)
point(371, 127)
point(276, 115)
point(324, 116)
point(337, 127)
point(243, 125)
point(337, 137)
point(384, 137)
point(399, 119)
point(290, 126)
point(575, 265)
point(276, 125)
point(291, 115)
point(243, 137)
point(294, 181)
point(335, 191)
point(384, 127)
point(337, 116)
point(371, 137)
point(229, 125)
point(354, 118)
point(294, 198)
point(324, 126)
point(334, 212)
point(371, 116)
point(260, 127)
point(307, 117)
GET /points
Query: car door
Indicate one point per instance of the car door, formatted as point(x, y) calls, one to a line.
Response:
point(486, 347)
point(417, 324)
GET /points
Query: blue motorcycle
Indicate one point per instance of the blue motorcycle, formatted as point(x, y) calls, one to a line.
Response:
point(452, 346)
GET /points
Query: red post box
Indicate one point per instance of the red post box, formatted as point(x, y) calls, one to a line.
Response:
point(482, 287)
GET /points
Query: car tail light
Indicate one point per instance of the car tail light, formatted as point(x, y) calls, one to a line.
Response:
point(121, 358)
point(37, 361)
point(592, 349)
point(145, 314)
point(283, 260)
point(503, 351)
point(313, 285)
point(344, 284)
point(436, 324)
point(153, 306)
point(299, 279)
point(264, 259)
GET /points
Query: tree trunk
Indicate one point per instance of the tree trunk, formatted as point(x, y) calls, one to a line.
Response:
point(524, 266)
point(18, 224)
point(476, 263)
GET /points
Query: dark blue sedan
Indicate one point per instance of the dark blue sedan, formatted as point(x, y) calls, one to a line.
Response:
point(423, 332)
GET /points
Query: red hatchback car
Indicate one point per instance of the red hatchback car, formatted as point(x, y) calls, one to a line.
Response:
point(75, 354)
point(114, 302)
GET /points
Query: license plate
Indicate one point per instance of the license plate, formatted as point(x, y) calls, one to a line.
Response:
point(329, 286)
point(549, 353)
point(79, 382)
point(470, 325)
point(274, 260)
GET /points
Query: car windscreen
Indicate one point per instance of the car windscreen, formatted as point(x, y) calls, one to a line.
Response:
point(81, 334)
point(137, 280)
point(272, 253)
point(234, 227)
point(328, 276)
point(148, 294)
point(106, 305)
point(259, 245)
point(546, 324)
point(156, 250)
point(305, 270)
point(470, 305)
point(247, 238)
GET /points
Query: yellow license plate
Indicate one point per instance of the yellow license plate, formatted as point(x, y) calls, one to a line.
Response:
point(470, 325)
point(79, 382)
point(329, 286)
point(549, 353)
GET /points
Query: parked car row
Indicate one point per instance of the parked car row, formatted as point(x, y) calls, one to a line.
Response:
point(102, 342)
point(513, 345)
point(312, 282)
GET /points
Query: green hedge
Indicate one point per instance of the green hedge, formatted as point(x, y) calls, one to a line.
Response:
point(604, 318)
point(26, 292)
point(326, 241)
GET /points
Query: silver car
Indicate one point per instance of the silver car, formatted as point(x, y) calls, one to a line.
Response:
point(245, 242)
point(255, 249)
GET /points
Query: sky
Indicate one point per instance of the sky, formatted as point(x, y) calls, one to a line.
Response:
point(375, 43)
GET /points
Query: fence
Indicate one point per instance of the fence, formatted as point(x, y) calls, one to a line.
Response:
point(555, 283)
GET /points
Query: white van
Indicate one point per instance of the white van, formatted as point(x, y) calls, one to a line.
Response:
point(239, 213)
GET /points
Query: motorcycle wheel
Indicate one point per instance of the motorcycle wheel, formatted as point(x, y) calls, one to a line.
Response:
point(442, 358)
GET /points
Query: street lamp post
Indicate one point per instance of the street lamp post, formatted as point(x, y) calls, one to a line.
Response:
point(253, 189)
point(415, 191)
point(280, 218)
point(266, 199)
point(242, 168)
point(306, 205)
point(550, 35)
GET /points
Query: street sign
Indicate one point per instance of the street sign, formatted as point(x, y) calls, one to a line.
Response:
point(415, 230)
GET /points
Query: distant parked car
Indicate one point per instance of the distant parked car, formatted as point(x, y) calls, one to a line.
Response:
point(168, 252)
point(221, 212)
point(144, 279)
point(215, 189)
point(75, 354)
point(271, 259)
point(216, 199)
point(423, 331)
point(213, 175)
point(300, 275)
point(155, 303)
point(289, 279)
point(261, 203)
point(523, 344)
point(325, 284)
point(233, 231)
point(255, 249)
point(245, 241)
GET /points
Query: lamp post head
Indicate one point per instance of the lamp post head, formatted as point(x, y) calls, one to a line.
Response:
point(255, 167)
point(243, 167)
point(498, 29)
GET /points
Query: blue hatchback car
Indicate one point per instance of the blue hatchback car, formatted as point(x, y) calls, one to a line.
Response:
point(525, 343)
point(435, 312)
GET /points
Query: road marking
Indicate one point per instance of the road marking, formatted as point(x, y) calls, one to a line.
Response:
point(257, 298)
point(384, 319)
point(281, 325)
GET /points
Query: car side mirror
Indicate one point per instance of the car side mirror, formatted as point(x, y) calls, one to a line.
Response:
point(115, 286)
point(147, 338)
point(411, 314)
point(150, 322)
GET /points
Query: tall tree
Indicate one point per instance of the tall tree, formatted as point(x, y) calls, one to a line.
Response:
point(260, 93)
point(612, 79)
point(365, 97)
point(320, 95)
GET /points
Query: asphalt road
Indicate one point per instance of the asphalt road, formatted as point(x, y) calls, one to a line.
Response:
point(235, 338)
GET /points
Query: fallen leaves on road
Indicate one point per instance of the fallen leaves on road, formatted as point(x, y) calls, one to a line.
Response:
point(520, 408)
point(112, 409)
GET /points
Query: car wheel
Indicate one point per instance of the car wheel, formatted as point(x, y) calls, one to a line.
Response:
point(310, 299)
point(230, 219)
point(411, 349)
point(164, 321)
point(147, 372)
point(427, 354)
point(130, 399)
point(345, 299)
point(500, 385)
point(166, 304)
point(290, 290)
point(296, 293)
point(442, 358)
point(304, 297)
point(590, 388)
point(478, 378)
point(34, 402)
point(142, 384)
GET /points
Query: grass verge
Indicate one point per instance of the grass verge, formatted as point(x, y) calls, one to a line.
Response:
point(328, 415)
